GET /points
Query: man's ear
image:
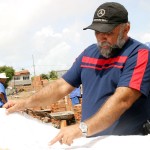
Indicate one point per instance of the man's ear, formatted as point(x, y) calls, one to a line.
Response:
point(127, 28)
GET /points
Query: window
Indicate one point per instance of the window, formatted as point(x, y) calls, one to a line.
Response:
point(16, 78)
point(25, 77)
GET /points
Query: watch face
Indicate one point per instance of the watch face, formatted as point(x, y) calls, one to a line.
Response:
point(83, 128)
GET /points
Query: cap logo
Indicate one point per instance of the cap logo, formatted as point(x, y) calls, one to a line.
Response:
point(101, 13)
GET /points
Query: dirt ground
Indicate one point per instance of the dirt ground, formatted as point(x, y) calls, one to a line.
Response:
point(20, 95)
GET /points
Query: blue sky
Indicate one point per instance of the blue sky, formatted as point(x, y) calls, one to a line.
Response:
point(51, 31)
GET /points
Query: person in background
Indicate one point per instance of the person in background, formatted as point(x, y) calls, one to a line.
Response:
point(75, 96)
point(3, 97)
point(115, 76)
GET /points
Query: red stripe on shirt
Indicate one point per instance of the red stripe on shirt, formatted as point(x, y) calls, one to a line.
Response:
point(89, 60)
point(139, 70)
point(104, 67)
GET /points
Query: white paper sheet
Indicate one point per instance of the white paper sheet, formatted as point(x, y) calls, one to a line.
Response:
point(22, 132)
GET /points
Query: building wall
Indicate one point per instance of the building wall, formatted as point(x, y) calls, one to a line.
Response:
point(60, 73)
point(21, 78)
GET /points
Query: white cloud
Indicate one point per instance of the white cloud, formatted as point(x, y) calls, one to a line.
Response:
point(32, 27)
point(145, 37)
point(51, 31)
point(56, 58)
point(53, 50)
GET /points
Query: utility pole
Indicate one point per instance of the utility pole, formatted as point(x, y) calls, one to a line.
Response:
point(33, 64)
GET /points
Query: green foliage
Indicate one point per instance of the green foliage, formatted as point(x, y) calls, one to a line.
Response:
point(53, 75)
point(44, 76)
point(9, 72)
point(32, 78)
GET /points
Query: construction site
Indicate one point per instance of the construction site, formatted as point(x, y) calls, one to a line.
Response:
point(62, 113)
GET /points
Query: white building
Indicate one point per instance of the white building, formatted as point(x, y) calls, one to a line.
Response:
point(60, 73)
point(21, 78)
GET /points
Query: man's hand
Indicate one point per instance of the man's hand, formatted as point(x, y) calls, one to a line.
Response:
point(67, 135)
point(14, 105)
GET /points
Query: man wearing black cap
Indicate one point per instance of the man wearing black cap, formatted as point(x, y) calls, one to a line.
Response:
point(115, 76)
point(108, 16)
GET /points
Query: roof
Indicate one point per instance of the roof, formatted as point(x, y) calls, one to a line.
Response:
point(22, 72)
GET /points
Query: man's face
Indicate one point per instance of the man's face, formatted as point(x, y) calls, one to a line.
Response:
point(111, 42)
point(3, 80)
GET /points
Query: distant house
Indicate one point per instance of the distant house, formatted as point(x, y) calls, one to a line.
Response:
point(60, 73)
point(21, 78)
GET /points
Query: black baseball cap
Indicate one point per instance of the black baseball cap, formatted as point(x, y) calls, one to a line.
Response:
point(108, 16)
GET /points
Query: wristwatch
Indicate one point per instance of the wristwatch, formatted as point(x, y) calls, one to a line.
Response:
point(84, 128)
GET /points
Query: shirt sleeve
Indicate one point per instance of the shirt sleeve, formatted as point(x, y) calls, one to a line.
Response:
point(2, 89)
point(136, 73)
point(73, 75)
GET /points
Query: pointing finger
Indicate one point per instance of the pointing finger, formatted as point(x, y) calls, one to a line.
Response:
point(56, 139)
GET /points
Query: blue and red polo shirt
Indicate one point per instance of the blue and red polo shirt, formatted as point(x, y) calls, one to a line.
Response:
point(100, 76)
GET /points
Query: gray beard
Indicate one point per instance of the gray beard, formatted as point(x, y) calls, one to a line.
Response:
point(112, 50)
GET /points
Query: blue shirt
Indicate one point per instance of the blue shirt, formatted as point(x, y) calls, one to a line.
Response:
point(100, 77)
point(2, 90)
point(75, 93)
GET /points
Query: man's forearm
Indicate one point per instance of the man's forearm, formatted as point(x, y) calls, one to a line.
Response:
point(4, 101)
point(2, 98)
point(50, 94)
point(113, 108)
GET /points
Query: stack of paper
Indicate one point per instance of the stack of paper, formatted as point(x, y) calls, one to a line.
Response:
point(22, 132)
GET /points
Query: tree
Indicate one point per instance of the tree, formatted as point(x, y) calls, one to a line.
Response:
point(53, 75)
point(44, 76)
point(9, 73)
